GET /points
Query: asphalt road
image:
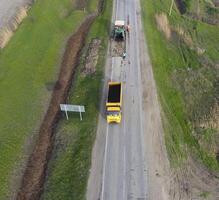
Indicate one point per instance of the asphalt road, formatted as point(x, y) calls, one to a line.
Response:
point(128, 159)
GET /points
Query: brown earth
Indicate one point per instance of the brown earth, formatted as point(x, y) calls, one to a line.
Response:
point(118, 48)
point(208, 19)
point(80, 4)
point(91, 57)
point(163, 24)
point(216, 3)
point(193, 181)
point(34, 175)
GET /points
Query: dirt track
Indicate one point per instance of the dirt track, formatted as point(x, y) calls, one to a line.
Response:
point(34, 175)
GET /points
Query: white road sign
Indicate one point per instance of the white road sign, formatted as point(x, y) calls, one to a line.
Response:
point(72, 108)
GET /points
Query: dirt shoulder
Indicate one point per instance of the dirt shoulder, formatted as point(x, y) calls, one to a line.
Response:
point(156, 154)
point(34, 175)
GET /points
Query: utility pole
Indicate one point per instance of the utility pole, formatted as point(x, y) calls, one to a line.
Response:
point(171, 7)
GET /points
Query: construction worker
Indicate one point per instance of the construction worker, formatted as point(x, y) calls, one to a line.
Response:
point(128, 28)
point(124, 55)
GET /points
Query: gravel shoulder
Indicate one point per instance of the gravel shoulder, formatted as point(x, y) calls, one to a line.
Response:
point(156, 154)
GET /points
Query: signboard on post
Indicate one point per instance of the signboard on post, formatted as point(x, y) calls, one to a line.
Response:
point(72, 108)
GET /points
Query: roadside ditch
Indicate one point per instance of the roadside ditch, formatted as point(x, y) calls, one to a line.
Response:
point(35, 172)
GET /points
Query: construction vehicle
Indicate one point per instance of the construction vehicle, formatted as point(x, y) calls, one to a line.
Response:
point(118, 45)
point(114, 102)
point(119, 30)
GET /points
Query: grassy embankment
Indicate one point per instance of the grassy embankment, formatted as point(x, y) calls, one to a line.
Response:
point(28, 70)
point(187, 75)
point(69, 167)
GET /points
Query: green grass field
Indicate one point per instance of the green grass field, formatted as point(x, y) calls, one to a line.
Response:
point(29, 66)
point(186, 81)
point(69, 167)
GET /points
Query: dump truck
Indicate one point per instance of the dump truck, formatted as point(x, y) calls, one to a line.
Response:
point(114, 102)
point(119, 30)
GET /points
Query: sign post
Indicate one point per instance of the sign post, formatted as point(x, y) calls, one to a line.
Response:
point(72, 108)
point(80, 113)
point(66, 113)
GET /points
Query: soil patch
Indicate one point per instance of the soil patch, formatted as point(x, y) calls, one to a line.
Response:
point(81, 4)
point(194, 181)
point(216, 3)
point(34, 175)
point(118, 48)
point(91, 57)
point(163, 24)
point(184, 36)
point(212, 19)
point(50, 86)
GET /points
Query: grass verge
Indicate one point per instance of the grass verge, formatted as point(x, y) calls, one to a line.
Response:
point(69, 167)
point(185, 73)
point(28, 71)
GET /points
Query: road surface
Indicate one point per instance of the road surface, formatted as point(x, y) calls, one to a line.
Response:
point(129, 159)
